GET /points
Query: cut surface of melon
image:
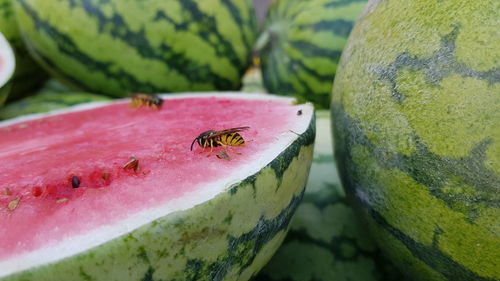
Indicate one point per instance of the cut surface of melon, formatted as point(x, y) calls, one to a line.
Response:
point(7, 61)
point(41, 155)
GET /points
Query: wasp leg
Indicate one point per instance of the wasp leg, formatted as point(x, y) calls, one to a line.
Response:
point(228, 148)
point(233, 151)
point(210, 152)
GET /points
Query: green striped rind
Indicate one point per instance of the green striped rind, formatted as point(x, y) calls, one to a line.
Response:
point(28, 74)
point(416, 129)
point(109, 47)
point(229, 237)
point(325, 241)
point(304, 43)
point(46, 101)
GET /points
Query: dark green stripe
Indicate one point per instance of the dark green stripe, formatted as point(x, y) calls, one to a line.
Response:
point(67, 47)
point(308, 49)
point(424, 166)
point(434, 174)
point(6, 10)
point(430, 255)
point(138, 41)
point(148, 276)
point(339, 27)
point(242, 250)
point(282, 85)
point(208, 26)
point(340, 3)
point(439, 65)
point(236, 15)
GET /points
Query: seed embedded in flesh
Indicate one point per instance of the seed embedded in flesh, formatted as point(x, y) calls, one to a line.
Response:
point(6, 191)
point(133, 163)
point(12, 205)
point(75, 182)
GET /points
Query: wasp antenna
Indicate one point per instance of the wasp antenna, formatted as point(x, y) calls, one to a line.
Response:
point(193, 144)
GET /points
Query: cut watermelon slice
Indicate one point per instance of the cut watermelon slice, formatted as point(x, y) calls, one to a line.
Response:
point(7, 66)
point(76, 207)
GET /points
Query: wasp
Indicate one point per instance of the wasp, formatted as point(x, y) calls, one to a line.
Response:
point(139, 100)
point(229, 137)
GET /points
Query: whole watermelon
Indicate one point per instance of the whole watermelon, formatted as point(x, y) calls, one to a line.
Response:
point(325, 241)
point(116, 47)
point(301, 46)
point(416, 124)
point(28, 75)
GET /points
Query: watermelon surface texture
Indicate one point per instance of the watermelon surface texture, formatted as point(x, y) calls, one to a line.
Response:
point(301, 46)
point(7, 65)
point(177, 215)
point(416, 113)
point(28, 75)
point(117, 47)
point(46, 101)
point(325, 241)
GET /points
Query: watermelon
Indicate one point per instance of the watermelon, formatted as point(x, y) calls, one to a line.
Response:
point(416, 112)
point(325, 241)
point(117, 47)
point(46, 101)
point(7, 65)
point(301, 46)
point(28, 75)
point(92, 212)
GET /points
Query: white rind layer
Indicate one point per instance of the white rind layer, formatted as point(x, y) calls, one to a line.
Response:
point(207, 190)
point(7, 61)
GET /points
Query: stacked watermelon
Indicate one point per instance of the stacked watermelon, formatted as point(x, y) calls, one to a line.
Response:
point(416, 124)
point(116, 47)
point(53, 95)
point(301, 46)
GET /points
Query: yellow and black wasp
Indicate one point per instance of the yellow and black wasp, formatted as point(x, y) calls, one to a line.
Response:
point(139, 100)
point(224, 138)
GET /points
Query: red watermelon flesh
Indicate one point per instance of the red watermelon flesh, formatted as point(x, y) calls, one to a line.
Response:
point(40, 157)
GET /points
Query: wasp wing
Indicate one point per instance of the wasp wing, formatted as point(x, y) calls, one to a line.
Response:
point(228, 131)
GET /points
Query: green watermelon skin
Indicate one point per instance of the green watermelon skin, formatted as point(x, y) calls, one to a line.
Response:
point(303, 44)
point(415, 110)
point(28, 75)
point(45, 101)
point(325, 241)
point(117, 47)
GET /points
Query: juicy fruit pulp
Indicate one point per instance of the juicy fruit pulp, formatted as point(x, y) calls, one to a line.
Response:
point(41, 157)
point(416, 129)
